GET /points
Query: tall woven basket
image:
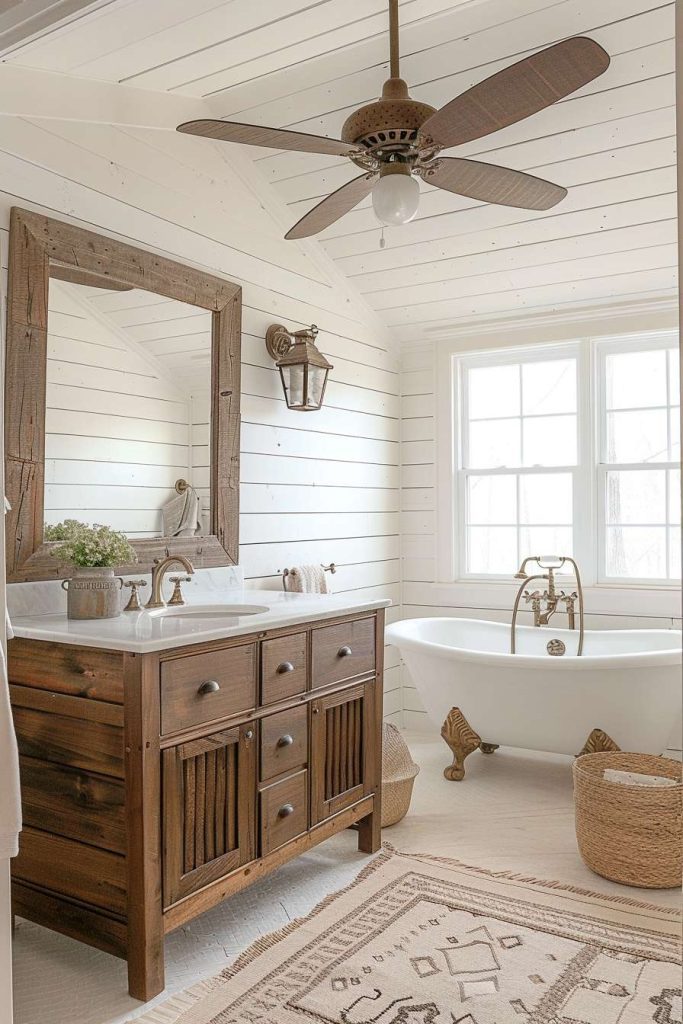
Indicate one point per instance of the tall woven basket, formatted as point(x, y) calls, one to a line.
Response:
point(630, 834)
point(398, 775)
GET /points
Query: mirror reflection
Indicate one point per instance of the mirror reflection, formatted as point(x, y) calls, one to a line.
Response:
point(128, 409)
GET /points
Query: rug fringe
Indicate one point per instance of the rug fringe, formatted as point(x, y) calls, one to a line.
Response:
point(266, 942)
point(511, 876)
point(170, 1010)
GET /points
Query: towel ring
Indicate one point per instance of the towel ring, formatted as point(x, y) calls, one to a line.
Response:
point(331, 568)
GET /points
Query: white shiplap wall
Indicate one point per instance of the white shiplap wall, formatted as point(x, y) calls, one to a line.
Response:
point(320, 487)
point(424, 592)
point(117, 431)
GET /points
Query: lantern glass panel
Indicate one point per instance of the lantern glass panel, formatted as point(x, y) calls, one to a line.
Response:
point(316, 385)
point(293, 383)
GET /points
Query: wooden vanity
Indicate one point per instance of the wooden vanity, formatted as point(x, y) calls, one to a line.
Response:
point(156, 785)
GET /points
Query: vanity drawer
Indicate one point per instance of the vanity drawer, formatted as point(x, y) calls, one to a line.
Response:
point(343, 651)
point(284, 742)
point(284, 812)
point(207, 687)
point(283, 668)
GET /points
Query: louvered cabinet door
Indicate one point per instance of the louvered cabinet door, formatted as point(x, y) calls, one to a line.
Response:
point(340, 750)
point(209, 809)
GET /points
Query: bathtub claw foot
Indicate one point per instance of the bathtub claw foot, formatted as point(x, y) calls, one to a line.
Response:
point(597, 742)
point(459, 735)
point(488, 748)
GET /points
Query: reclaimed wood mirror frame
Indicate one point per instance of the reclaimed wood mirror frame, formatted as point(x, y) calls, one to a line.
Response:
point(36, 244)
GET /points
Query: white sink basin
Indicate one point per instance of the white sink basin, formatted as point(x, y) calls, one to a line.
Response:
point(210, 611)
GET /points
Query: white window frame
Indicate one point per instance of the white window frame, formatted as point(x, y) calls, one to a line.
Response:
point(589, 475)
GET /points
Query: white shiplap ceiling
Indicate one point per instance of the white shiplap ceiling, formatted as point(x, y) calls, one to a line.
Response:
point(307, 65)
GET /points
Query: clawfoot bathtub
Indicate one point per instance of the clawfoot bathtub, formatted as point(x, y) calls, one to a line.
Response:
point(623, 692)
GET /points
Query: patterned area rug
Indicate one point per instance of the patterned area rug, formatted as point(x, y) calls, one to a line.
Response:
point(420, 940)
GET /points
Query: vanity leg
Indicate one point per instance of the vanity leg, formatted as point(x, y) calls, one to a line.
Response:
point(145, 951)
point(370, 833)
point(598, 741)
point(462, 739)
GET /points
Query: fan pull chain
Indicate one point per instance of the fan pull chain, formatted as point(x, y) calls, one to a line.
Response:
point(382, 240)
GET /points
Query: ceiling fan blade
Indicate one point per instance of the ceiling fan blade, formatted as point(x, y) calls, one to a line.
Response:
point(517, 92)
point(491, 184)
point(272, 138)
point(333, 207)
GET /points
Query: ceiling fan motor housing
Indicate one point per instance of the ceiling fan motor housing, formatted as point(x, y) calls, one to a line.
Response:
point(389, 124)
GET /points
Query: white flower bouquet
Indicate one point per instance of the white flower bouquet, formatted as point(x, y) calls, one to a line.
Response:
point(86, 546)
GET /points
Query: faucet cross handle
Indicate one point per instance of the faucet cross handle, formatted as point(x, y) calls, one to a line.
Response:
point(177, 596)
point(134, 600)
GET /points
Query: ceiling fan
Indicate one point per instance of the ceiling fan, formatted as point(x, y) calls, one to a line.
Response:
point(397, 140)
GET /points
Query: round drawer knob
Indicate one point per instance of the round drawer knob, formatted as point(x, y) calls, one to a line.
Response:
point(286, 666)
point(249, 734)
point(210, 686)
point(344, 651)
point(285, 741)
point(285, 811)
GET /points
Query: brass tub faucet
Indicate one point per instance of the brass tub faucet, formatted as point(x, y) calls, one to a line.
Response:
point(545, 603)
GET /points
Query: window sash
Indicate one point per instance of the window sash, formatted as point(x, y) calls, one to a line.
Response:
point(603, 349)
point(463, 477)
point(603, 469)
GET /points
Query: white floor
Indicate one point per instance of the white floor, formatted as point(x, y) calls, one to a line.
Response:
point(513, 811)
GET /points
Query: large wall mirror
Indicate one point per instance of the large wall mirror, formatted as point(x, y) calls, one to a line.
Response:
point(122, 399)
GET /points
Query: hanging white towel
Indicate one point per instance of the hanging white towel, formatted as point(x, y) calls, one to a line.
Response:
point(180, 515)
point(10, 800)
point(306, 579)
point(8, 622)
point(10, 797)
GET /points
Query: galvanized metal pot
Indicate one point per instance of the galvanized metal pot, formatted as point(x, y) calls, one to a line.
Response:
point(93, 593)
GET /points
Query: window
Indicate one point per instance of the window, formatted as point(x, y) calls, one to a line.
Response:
point(571, 449)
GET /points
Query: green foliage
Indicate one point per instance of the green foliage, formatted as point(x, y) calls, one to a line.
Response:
point(93, 546)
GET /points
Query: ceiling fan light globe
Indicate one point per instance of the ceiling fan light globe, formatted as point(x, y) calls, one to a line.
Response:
point(395, 198)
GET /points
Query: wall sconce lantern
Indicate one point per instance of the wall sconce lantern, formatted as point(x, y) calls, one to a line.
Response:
point(302, 367)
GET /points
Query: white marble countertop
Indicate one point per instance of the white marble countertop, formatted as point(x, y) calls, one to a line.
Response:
point(145, 631)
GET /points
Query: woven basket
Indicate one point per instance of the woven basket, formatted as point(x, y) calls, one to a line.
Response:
point(629, 834)
point(398, 775)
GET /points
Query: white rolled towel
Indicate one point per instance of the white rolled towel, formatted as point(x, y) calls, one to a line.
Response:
point(306, 579)
point(635, 778)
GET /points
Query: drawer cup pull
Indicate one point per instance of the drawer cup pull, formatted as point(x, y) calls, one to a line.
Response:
point(285, 811)
point(344, 651)
point(285, 741)
point(286, 666)
point(210, 686)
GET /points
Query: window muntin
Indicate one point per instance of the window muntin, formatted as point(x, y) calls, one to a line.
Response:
point(573, 449)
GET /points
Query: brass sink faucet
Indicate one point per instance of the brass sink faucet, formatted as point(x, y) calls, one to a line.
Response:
point(161, 565)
